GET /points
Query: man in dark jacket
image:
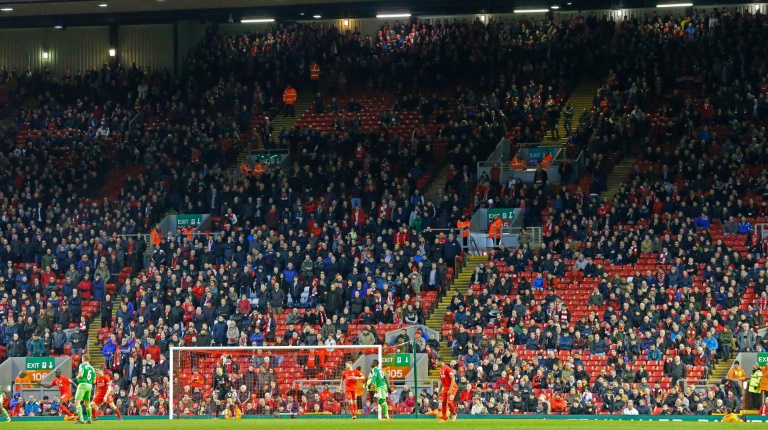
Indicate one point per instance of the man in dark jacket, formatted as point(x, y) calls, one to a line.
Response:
point(36, 347)
point(176, 315)
point(10, 330)
point(204, 338)
point(677, 370)
point(451, 250)
point(220, 332)
point(16, 347)
point(334, 300)
point(460, 341)
point(75, 306)
point(599, 347)
point(59, 340)
point(106, 308)
point(277, 300)
point(79, 341)
point(155, 310)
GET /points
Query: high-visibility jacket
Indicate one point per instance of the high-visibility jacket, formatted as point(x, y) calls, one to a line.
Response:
point(518, 164)
point(156, 238)
point(245, 168)
point(314, 72)
point(754, 381)
point(737, 374)
point(258, 170)
point(188, 232)
point(764, 379)
point(463, 226)
point(494, 229)
point(289, 96)
point(236, 414)
point(547, 161)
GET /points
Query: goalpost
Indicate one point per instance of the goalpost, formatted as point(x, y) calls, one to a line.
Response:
point(270, 373)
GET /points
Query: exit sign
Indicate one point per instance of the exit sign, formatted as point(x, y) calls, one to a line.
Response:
point(762, 359)
point(507, 215)
point(40, 363)
point(189, 220)
point(38, 367)
point(397, 360)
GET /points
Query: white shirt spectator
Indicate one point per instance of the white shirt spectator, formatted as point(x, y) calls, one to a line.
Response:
point(478, 409)
point(630, 410)
point(103, 131)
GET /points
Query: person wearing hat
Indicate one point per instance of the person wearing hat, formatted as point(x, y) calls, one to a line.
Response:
point(754, 385)
point(736, 376)
point(36, 346)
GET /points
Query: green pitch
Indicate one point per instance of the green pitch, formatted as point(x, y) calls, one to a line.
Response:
point(344, 424)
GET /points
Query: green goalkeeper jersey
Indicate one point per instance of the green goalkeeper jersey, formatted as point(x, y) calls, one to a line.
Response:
point(378, 378)
point(87, 374)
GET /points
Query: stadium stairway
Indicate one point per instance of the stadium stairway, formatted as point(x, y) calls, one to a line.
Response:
point(437, 187)
point(97, 360)
point(581, 98)
point(304, 101)
point(435, 320)
point(618, 176)
point(116, 180)
point(721, 368)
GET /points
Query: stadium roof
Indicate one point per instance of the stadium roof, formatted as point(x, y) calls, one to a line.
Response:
point(27, 13)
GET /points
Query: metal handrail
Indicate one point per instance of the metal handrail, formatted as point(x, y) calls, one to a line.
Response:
point(138, 118)
point(474, 242)
point(274, 151)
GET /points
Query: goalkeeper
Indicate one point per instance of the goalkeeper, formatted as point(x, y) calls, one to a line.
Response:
point(2, 409)
point(379, 384)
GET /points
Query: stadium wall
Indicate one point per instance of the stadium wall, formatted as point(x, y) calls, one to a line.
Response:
point(147, 45)
point(74, 49)
point(79, 48)
point(168, 45)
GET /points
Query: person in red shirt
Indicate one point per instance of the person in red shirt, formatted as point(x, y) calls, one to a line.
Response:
point(152, 350)
point(764, 409)
point(447, 388)
point(196, 379)
point(104, 394)
point(65, 392)
point(349, 383)
point(325, 394)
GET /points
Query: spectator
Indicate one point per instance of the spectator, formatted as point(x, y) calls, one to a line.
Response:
point(32, 407)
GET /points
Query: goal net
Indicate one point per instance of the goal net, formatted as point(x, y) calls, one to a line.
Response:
point(285, 380)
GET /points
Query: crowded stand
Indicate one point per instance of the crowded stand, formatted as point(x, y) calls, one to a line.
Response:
point(623, 301)
point(627, 298)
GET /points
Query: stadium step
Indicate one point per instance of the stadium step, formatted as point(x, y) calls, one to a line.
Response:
point(618, 177)
point(94, 347)
point(305, 99)
point(304, 102)
point(580, 98)
point(437, 187)
point(116, 180)
point(435, 321)
point(720, 370)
